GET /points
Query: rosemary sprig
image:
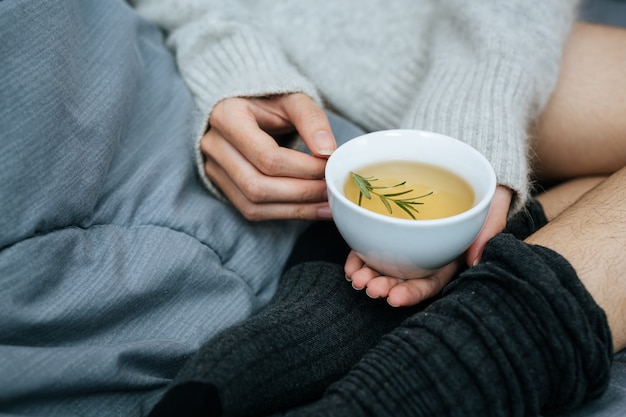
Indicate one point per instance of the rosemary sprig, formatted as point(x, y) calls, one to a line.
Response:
point(364, 184)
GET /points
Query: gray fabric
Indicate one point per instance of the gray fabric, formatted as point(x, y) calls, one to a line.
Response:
point(608, 12)
point(115, 263)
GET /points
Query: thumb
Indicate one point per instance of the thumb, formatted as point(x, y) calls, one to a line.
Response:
point(312, 124)
point(495, 223)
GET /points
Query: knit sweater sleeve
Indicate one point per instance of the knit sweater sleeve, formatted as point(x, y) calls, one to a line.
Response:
point(492, 67)
point(221, 53)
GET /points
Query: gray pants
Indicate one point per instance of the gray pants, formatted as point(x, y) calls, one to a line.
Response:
point(115, 263)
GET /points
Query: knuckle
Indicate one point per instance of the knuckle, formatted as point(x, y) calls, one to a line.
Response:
point(254, 191)
point(300, 213)
point(209, 171)
point(312, 193)
point(222, 110)
point(251, 212)
point(212, 170)
point(268, 163)
point(205, 144)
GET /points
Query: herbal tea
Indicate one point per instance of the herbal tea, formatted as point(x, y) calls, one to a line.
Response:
point(409, 190)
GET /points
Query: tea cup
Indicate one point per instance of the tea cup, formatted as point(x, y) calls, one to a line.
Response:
point(407, 248)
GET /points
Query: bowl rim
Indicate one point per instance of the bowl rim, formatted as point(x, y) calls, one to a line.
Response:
point(476, 208)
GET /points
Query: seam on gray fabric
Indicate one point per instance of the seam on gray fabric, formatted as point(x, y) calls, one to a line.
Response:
point(119, 226)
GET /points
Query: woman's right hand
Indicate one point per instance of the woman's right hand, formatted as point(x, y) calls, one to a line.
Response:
point(262, 179)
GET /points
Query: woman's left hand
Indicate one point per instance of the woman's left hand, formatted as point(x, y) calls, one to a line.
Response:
point(402, 293)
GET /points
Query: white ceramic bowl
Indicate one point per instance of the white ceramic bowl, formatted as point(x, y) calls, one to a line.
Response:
point(408, 248)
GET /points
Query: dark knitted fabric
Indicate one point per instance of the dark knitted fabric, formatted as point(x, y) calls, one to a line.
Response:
point(514, 336)
point(316, 327)
point(526, 221)
point(320, 242)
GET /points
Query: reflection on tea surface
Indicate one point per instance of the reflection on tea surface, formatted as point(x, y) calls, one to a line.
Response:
point(409, 190)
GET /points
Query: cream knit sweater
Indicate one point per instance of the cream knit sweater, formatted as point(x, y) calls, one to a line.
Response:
point(478, 70)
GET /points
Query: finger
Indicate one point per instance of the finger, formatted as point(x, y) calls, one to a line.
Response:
point(362, 277)
point(311, 123)
point(268, 211)
point(380, 286)
point(272, 211)
point(257, 146)
point(495, 223)
point(414, 291)
point(223, 160)
point(353, 264)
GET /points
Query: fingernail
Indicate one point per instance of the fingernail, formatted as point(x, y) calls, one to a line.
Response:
point(324, 142)
point(371, 296)
point(347, 278)
point(476, 261)
point(323, 213)
point(392, 304)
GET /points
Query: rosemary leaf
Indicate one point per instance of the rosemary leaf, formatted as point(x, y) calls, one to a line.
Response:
point(364, 184)
point(408, 209)
point(385, 202)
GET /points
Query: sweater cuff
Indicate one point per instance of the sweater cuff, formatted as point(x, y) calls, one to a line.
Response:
point(465, 103)
point(242, 63)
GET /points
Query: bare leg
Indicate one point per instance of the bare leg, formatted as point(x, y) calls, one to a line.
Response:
point(558, 198)
point(582, 131)
point(591, 235)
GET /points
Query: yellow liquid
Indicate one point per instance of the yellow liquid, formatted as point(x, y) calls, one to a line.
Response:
point(449, 194)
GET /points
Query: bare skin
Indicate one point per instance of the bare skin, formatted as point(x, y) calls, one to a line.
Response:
point(591, 235)
point(581, 135)
point(582, 130)
point(560, 197)
point(263, 180)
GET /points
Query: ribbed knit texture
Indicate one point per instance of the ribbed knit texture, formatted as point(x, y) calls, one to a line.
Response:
point(310, 335)
point(514, 336)
point(476, 70)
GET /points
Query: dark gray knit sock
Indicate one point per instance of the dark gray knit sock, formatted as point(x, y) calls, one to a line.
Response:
point(313, 331)
point(526, 221)
point(514, 336)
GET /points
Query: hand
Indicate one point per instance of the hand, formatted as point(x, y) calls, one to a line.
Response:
point(495, 223)
point(262, 179)
point(401, 292)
